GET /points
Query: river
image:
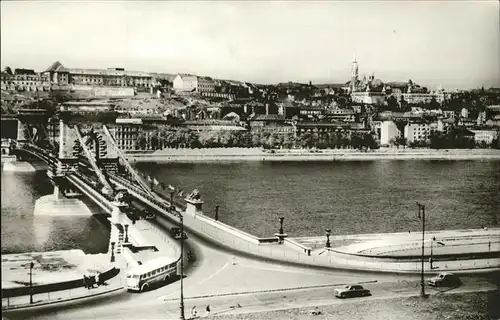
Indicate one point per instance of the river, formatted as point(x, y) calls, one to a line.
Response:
point(348, 197)
point(24, 232)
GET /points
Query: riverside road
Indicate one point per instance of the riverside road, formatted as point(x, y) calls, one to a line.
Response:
point(252, 284)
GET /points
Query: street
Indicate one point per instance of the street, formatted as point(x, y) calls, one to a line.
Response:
point(252, 284)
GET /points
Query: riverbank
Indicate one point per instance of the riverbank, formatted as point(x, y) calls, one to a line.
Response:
point(257, 154)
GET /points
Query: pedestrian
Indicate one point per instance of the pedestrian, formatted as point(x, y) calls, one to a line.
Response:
point(97, 279)
point(234, 260)
point(194, 313)
point(208, 310)
point(85, 281)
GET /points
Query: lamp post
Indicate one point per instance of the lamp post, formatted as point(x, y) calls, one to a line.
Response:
point(182, 267)
point(32, 264)
point(172, 191)
point(217, 213)
point(328, 233)
point(281, 224)
point(181, 219)
point(112, 251)
point(126, 233)
point(430, 259)
point(421, 209)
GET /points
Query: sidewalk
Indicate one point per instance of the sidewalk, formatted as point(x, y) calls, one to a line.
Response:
point(336, 260)
point(114, 284)
point(400, 245)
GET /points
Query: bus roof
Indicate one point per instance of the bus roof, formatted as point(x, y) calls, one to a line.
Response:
point(153, 264)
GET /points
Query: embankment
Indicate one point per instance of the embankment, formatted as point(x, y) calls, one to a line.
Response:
point(257, 154)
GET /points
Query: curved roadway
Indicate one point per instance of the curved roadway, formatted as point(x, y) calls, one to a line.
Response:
point(230, 282)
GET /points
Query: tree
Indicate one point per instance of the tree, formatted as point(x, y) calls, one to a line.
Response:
point(140, 142)
point(356, 141)
point(369, 142)
point(8, 70)
point(495, 144)
point(155, 141)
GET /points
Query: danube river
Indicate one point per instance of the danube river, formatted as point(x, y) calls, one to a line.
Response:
point(348, 197)
point(24, 232)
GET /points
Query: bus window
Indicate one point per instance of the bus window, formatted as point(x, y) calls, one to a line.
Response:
point(149, 274)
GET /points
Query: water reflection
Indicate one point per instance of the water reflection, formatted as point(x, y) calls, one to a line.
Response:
point(24, 232)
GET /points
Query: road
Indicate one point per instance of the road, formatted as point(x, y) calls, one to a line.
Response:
point(223, 280)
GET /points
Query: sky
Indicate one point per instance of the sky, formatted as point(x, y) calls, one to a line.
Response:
point(456, 44)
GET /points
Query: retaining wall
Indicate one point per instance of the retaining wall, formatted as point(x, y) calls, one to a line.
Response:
point(23, 291)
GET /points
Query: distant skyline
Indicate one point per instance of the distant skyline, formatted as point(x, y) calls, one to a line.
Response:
point(456, 44)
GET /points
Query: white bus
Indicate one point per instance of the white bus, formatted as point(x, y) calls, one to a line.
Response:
point(140, 278)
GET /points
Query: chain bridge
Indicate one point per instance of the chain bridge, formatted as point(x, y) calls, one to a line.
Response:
point(83, 159)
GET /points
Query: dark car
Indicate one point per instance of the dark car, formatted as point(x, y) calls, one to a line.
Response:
point(350, 291)
point(444, 279)
point(176, 233)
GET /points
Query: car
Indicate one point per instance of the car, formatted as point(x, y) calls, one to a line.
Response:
point(350, 291)
point(444, 279)
point(176, 233)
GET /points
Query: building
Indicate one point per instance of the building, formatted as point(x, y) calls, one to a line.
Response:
point(205, 84)
point(322, 129)
point(23, 80)
point(257, 122)
point(416, 132)
point(185, 82)
point(59, 75)
point(388, 132)
point(213, 125)
point(416, 98)
point(368, 97)
point(464, 113)
point(126, 132)
point(485, 135)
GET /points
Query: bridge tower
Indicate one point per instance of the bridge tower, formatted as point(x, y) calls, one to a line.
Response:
point(32, 126)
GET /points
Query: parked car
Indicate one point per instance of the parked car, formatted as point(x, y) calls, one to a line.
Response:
point(444, 279)
point(352, 291)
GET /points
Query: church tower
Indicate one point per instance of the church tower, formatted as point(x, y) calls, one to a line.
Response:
point(354, 74)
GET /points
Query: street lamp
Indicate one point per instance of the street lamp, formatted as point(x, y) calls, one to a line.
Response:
point(182, 267)
point(432, 243)
point(112, 251)
point(217, 213)
point(126, 233)
point(281, 224)
point(421, 209)
point(431, 259)
point(328, 234)
point(32, 264)
point(181, 219)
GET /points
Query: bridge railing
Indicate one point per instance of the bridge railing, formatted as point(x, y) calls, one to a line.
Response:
point(162, 203)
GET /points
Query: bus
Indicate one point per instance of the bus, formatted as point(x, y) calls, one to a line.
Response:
point(141, 277)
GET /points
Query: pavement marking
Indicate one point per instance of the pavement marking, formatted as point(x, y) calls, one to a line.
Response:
point(165, 297)
point(285, 269)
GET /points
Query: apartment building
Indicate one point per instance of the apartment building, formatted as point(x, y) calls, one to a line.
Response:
point(416, 132)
